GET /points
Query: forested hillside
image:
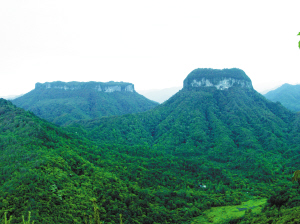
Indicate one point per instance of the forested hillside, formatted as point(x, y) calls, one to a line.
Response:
point(288, 95)
point(215, 143)
point(60, 102)
point(235, 130)
point(55, 175)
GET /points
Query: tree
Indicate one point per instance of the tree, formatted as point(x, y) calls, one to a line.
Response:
point(296, 176)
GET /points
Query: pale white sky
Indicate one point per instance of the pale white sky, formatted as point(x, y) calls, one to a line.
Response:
point(152, 44)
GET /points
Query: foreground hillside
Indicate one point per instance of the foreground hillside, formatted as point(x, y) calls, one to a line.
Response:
point(288, 95)
point(55, 175)
point(60, 102)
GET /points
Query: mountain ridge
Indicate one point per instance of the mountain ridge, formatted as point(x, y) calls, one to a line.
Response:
point(99, 86)
point(61, 102)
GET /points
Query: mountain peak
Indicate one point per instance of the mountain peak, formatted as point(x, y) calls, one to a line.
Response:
point(99, 86)
point(219, 78)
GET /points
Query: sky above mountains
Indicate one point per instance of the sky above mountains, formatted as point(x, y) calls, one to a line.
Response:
point(153, 44)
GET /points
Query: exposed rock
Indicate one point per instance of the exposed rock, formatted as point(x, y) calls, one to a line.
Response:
point(111, 89)
point(107, 87)
point(221, 79)
point(129, 88)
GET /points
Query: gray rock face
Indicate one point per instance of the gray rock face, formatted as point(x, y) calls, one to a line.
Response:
point(129, 88)
point(219, 78)
point(111, 89)
point(222, 84)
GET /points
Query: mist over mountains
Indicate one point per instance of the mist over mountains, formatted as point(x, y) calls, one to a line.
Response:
point(160, 95)
point(11, 97)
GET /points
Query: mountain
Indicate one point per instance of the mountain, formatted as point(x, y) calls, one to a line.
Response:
point(217, 142)
point(61, 102)
point(232, 139)
point(288, 95)
point(213, 105)
point(229, 136)
point(217, 116)
point(160, 95)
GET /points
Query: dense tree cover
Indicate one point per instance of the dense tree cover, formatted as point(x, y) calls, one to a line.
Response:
point(54, 175)
point(151, 167)
point(234, 137)
point(288, 95)
point(81, 101)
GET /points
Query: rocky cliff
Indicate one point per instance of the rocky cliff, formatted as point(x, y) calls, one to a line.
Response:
point(108, 87)
point(220, 79)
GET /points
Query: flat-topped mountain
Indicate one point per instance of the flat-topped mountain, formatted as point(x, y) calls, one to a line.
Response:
point(61, 102)
point(219, 78)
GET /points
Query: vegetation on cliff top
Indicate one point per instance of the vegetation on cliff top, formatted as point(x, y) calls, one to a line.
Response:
point(82, 85)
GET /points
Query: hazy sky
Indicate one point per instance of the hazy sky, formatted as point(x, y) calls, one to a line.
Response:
point(153, 44)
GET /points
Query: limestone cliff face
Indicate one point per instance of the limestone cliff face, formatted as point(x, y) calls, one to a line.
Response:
point(107, 87)
point(220, 79)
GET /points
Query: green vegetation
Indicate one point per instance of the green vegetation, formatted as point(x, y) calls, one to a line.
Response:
point(296, 176)
point(288, 95)
point(54, 175)
point(234, 140)
point(201, 152)
point(224, 214)
point(65, 102)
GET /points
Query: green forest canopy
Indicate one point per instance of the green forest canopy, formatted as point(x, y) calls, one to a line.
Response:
point(150, 166)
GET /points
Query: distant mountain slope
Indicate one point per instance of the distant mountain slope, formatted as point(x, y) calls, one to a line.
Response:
point(11, 97)
point(60, 102)
point(160, 95)
point(288, 95)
